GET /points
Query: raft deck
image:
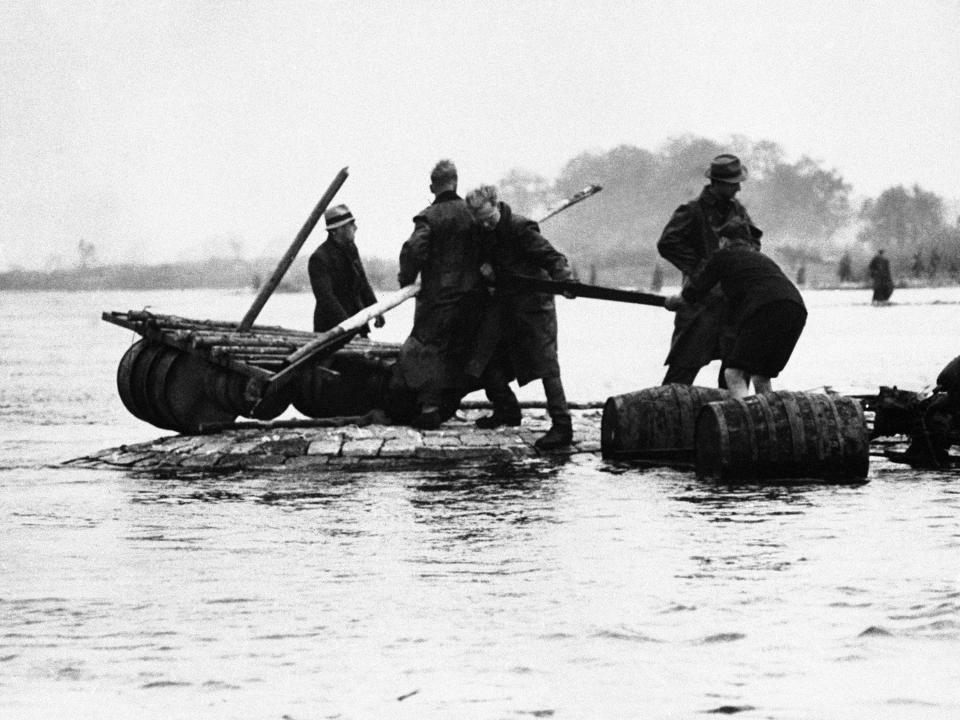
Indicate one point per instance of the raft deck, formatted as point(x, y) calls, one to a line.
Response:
point(282, 447)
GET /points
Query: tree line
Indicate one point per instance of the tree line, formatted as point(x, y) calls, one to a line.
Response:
point(804, 209)
point(807, 212)
point(216, 272)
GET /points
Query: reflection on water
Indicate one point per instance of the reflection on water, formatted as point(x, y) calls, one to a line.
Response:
point(579, 588)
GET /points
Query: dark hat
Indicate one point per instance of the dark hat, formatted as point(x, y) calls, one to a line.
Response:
point(727, 168)
point(338, 216)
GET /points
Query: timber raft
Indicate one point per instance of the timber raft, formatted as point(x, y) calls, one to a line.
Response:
point(286, 446)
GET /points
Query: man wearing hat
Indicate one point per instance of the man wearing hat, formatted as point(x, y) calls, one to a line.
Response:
point(766, 311)
point(337, 277)
point(689, 239)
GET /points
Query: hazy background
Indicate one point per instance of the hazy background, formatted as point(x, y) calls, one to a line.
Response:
point(162, 131)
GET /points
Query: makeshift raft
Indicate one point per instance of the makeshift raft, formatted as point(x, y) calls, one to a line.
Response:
point(187, 375)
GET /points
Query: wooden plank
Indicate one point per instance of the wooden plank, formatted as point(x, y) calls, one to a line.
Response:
point(557, 287)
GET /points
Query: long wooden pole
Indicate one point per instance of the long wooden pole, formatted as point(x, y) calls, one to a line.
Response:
point(328, 342)
point(580, 290)
point(267, 290)
point(349, 327)
point(572, 200)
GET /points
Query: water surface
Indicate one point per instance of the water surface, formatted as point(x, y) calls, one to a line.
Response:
point(577, 589)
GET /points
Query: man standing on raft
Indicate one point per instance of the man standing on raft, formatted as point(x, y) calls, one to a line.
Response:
point(688, 241)
point(766, 310)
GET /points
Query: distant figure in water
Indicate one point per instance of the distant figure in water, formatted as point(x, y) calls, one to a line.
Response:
point(879, 269)
point(656, 282)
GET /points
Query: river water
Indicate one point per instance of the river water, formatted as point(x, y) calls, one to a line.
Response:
point(578, 589)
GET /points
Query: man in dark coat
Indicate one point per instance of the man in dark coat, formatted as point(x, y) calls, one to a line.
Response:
point(766, 311)
point(525, 346)
point(688, 241)
point(879, 269)
point(337, 276)
point(443, 250)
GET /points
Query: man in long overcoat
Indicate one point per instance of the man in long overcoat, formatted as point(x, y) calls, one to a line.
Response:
point(337, 277)
point(879, 269)
point(443, 250)
point(525, 344)
point(688, 241)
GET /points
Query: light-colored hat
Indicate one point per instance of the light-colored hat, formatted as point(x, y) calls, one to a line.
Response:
point(727, 168)
point(338, 216)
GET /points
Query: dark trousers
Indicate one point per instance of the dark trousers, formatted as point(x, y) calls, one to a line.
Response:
point(496, 385)
point(557, 407)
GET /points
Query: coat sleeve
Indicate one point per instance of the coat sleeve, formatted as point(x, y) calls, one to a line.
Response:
point(414, 253)
point(328, 311)
point(755, 232)
point(366, 292)
point(678, 240)
point(700, 286)
point(541, 253)
point(367, 296)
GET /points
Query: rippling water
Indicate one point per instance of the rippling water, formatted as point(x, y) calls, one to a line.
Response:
point(580, 589)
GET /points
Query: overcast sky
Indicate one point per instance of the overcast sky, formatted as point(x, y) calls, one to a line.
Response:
point(162, 129)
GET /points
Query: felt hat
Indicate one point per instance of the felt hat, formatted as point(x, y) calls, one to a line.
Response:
point(727, 168)
point(338, 216)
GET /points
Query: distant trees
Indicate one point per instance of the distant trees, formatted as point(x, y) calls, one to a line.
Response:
point(800, 205)
point(900, 219)
point(910, 225)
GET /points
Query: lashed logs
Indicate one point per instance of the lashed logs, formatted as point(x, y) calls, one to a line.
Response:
point(260, 353)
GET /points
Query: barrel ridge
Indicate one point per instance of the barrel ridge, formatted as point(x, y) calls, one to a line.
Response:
point(156, 384)
point(140, 386)
point(711, 444)
point(125, 378)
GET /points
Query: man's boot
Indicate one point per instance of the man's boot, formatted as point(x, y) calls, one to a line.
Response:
point(428, 419)
point(500, 418)
point(558, 436)
point(560, 433)
point(506, 409)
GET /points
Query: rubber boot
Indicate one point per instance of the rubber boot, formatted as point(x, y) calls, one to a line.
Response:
point(560, 433)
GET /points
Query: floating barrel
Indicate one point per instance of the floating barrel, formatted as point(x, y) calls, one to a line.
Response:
point(655, 424)
point(176, 390)
point(232, 391)
point(359, 386)
point(186, 392)
point(133, 382)
point(783, 435)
